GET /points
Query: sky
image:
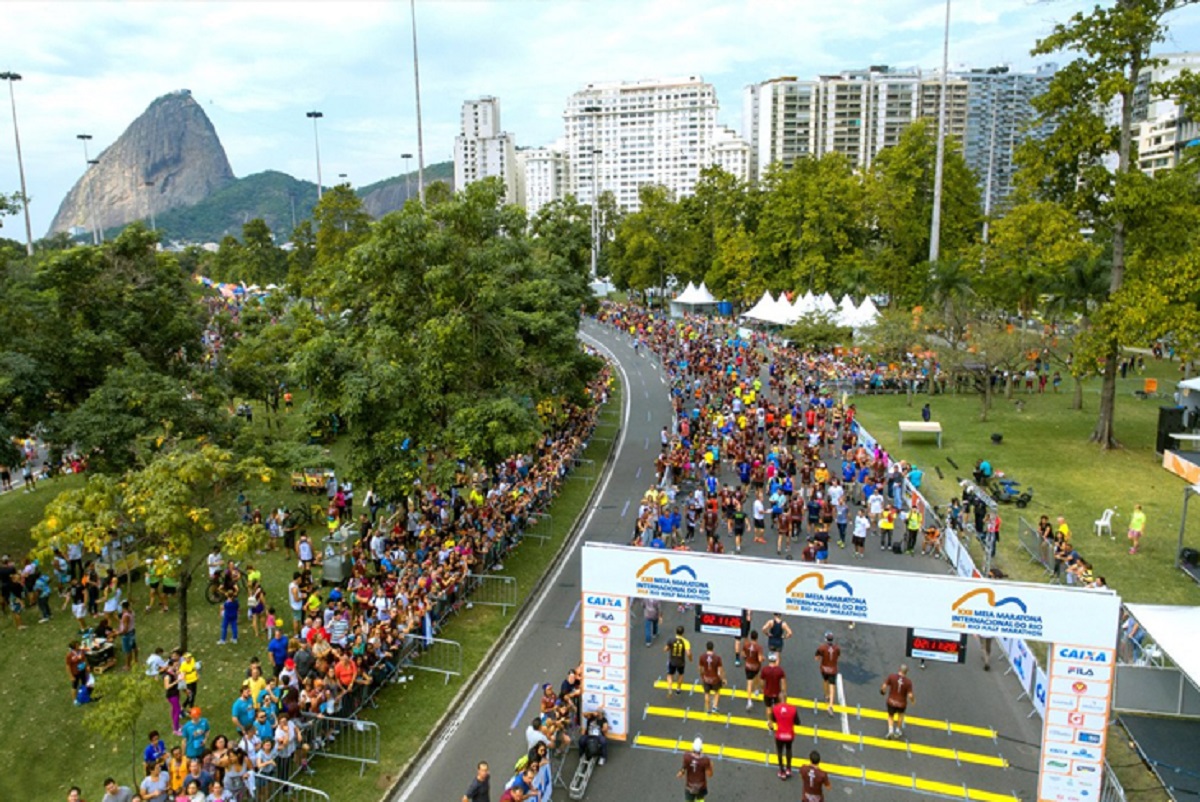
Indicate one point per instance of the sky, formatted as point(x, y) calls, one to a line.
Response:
point(257, 67)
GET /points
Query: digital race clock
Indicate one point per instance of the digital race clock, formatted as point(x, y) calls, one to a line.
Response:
point(932, 644)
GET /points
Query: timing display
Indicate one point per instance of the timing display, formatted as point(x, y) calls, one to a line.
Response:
point(931, 644)
point(720, 620)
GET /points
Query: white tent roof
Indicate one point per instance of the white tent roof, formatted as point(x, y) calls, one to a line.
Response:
point(867, 313)
point(695, 296)
point(770, 310)
point(825, 303)
point(1174, 629)
point(1190, 384)
point(804, 305)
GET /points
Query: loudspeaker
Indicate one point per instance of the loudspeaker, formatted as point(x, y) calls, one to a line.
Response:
point(1189, 556)
point(1170, 421)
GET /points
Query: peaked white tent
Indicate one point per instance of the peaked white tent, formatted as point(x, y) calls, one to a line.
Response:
point(693, 299)
point(771, 310)
point(825, 303)
point(847, 313)
point(867, 314)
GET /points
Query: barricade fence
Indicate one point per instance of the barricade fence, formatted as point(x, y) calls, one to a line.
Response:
point(351, 739)
point(492, 590)
point(1040, 551)
point(269, 788)
point(435, 655)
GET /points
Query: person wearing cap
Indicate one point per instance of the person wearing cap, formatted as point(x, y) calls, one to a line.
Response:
point(827, 661)
point(774, 682)
point(195, 734)
point(697, 770)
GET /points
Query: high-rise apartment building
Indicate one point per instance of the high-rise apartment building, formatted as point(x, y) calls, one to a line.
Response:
point(483, 150)
point(856, 113)
point(1160, 125)
point(622, 136)
point(1000, 117)
point(546, 173)
point(730, 152)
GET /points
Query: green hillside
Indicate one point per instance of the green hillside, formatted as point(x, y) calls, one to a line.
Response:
point(271, 195)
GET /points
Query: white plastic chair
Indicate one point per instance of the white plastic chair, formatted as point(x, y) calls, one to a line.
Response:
point(1105, 524)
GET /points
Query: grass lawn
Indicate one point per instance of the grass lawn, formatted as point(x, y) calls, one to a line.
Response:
point(47, 750)
point(1045, 446)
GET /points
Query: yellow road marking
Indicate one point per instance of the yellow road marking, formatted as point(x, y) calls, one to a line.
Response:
point(833, 769)
point(809, 704)
point(836, 735)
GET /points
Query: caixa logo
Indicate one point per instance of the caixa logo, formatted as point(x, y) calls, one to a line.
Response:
point(606, 601)
point(1084, 655)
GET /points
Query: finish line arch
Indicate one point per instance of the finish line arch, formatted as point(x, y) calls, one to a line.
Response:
point(1081, 626)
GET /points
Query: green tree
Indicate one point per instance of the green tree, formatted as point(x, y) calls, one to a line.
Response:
point(647, 242)
point(261, 261)
point(342, 223)
point(120, 701)
point(1113, 46)
point(175, 508)
point(819, 331)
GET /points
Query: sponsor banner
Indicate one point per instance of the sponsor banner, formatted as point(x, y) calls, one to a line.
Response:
point(1078, 692)
point(1040, 692)
point(963, 605)
point(1021, 659)
point(605, 642)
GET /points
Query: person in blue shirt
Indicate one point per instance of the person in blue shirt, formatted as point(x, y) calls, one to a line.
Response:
point(195, 734)
point(264, 725)
point(229, 617)
point(278, 647)
point(915, 477)
point(155, 752)
point(242, 710)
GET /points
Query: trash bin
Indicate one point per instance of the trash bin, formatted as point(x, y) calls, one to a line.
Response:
point(336, 557)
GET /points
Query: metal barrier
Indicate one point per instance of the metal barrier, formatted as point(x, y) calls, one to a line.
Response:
point(535, 519)
point(268, 788)
point(343, 739)
point(1111, 790)
point(1036, 546)
point(434, 654)
point(492, 590)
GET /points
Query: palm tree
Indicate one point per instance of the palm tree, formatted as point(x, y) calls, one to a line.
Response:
point(1073, 297)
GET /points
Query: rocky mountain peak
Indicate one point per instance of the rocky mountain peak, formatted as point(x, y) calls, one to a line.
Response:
point(168, 157)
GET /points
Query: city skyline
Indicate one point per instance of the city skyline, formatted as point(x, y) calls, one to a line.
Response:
point(256, 68)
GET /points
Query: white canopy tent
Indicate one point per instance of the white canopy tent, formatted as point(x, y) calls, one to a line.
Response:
point(867, 314)
point(693, 299)
point(777, 312)
point(825, 303)
point(1174, 629)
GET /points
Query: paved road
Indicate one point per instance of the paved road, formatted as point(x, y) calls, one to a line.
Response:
point(491, 726)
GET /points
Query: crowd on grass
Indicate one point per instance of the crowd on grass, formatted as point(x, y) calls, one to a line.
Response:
point(326, 652)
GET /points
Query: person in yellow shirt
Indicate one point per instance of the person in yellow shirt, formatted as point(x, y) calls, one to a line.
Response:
point(1063, 529)
point(1137, 525)
point(887, 527)
point(189, 672)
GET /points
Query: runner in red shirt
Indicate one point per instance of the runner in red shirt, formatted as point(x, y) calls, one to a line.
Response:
point(774, 682)
point(712, 674)
point(784, 718)
point(899, 690)
point(827, 660)
point(696, 771)
point(813, 779)
point(752, 659)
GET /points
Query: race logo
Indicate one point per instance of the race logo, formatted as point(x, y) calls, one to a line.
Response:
point(658, 579)
point(810, 594)
point(1007, 617)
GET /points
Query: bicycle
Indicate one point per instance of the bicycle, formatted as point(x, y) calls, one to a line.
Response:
point(219, 585)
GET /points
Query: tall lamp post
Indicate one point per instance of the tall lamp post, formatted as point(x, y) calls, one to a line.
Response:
point(407, 176)
point(12, 78)
point(417, 81)
point(314, 116)
point(935, 225)
point(90, 198)
point(99, 228)
point(594, 110)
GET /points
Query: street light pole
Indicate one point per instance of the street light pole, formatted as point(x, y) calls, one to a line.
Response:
point(99, 228)
point(412, 4)
point(314, 116)
point(594, 111)
point(935, 226)
point(12, 78)
point(88, 178)
point(407, 176)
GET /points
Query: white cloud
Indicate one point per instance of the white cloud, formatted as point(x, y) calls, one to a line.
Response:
point(256, 67)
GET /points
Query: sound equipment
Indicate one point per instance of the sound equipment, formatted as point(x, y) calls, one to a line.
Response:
point(1170, 421)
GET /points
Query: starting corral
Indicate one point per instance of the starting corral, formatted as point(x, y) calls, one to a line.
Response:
point(1082, 624)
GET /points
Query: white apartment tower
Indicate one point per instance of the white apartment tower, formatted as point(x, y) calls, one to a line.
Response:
point(621, 136)
point(1160, 125)
point(730, 152)
point(779, 121)
point(483, 150)
point(546, 173)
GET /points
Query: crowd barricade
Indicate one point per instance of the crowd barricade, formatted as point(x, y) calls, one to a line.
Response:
point(492, 590)
point(268, 788)
point(1039, 550)
point(436, 655)
point(351, 739)
point(534, 527)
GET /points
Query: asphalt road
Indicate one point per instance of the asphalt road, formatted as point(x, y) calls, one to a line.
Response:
point(547, 643)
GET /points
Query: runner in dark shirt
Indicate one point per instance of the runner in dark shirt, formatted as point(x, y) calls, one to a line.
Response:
point(696, 771)
point(827, 661)
point(479, 791)
point(774, 682)
point(813, 779)
point(899, 690)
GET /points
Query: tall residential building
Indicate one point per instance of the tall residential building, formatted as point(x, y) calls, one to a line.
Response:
point(546, 173)
point(856, 113)
point(730, 152)
point(1000, 117)
point(483, 150)
point(1161, 127)
point(779, 121)
point(622, 136)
